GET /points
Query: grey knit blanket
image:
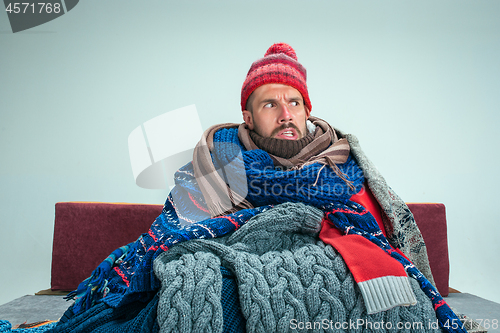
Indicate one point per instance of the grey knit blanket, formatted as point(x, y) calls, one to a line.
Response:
point(288, 281)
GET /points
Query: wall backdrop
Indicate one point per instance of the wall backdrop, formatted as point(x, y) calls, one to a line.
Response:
point(417, 81)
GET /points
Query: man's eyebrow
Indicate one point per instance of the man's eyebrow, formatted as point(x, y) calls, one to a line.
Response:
point(268, 100)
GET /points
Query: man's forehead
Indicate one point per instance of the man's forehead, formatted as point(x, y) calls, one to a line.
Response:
point(276, 90)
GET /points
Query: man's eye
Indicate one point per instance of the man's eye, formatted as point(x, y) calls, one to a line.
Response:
point(268, 105)
point(294, 103)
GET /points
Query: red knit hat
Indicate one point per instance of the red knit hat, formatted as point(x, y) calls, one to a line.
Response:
point(279, 65)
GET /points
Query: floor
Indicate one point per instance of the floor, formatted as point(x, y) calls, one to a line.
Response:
point(486, 313)
point(33, 308)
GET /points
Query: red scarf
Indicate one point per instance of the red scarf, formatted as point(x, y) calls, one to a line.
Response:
point(382, 279)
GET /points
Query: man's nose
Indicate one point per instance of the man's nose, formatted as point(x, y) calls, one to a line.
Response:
point(285, 115)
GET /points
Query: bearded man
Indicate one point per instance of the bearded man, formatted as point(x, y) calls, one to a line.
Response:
point(280, 223)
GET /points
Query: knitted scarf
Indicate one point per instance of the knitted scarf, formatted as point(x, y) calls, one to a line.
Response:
point(227, 176)
point(217, 164)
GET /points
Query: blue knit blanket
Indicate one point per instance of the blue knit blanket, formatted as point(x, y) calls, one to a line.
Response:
point(127, 275)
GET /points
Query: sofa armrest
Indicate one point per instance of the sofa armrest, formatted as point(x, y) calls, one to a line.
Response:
point(431, 220)
point(85, 233)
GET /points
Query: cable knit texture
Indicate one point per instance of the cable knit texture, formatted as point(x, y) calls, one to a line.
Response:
point(191, 294)
point(285, 275)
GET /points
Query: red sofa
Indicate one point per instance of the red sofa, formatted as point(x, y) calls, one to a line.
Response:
point(86, 232)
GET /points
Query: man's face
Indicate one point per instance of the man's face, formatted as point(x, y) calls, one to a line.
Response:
point(277, 111)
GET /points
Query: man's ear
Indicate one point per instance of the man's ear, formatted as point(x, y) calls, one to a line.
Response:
point(248, 119)
point(308, 112)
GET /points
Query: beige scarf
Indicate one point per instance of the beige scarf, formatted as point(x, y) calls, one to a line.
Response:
point(326, 148)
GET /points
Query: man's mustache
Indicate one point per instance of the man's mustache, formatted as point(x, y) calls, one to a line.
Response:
point(285, 126)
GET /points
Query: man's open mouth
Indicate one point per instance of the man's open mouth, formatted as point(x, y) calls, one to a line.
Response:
point(287, 134)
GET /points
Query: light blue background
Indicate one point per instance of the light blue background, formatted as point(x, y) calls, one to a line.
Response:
point(417, 81)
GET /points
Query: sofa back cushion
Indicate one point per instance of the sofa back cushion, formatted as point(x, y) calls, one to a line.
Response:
point(85, 233)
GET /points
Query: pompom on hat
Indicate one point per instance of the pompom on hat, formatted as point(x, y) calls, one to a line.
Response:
point(279, 65)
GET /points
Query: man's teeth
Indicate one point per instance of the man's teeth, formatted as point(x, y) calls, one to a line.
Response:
point(288, 133)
